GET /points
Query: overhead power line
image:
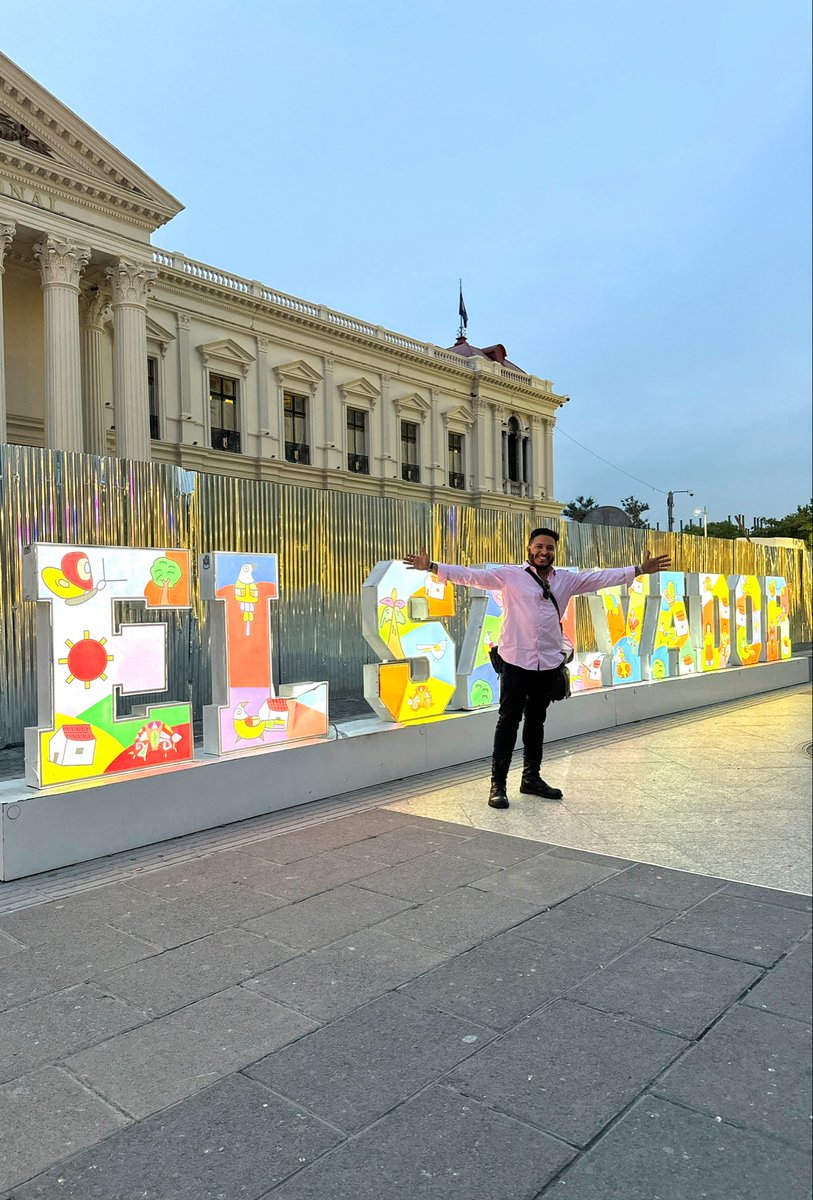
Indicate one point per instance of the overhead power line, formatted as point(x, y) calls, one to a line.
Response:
point(609, 464)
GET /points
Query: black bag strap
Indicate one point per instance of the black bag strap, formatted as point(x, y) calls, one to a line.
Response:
point(546, 591)
point(548, 594)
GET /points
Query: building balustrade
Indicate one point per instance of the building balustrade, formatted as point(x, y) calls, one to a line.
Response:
point(359, 463)
point(298, 452)
point(457, 480)
point(226, 439)
point(411, 472)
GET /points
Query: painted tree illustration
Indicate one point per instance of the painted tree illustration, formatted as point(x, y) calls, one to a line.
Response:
point(165, 573)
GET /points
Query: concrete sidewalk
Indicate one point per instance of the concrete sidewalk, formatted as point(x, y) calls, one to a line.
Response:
point(353, 1000)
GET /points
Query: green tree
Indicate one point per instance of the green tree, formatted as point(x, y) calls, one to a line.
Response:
point(165, 573)
point(717, 529)
point(795, 525)
point(635, 510)
point(577, 510)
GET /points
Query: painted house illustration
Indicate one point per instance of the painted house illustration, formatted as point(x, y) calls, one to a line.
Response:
point(72, 746)
point(274, 711)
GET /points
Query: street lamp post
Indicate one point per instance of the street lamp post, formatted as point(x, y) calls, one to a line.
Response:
point(704, 513)
point(670, 505)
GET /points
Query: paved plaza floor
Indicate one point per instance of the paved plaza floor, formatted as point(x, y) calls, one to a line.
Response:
point(403, 994)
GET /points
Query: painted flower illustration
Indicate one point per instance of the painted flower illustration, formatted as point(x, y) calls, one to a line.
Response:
point(391, 610)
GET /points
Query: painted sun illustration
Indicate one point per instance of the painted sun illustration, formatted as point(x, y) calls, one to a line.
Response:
point(86, 660)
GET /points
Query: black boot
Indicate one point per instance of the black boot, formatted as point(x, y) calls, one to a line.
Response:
point(533, 784)
point(497, 796)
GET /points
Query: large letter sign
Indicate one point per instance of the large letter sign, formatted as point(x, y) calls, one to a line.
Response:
point(248, 711)
point(84, 660)
point(777, 618)
point(618, 616)
point(399, 611)
point(709, 600)
point(672, 650)
point(477, 682)
point(746, 650)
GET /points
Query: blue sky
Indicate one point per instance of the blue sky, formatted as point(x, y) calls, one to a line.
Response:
point(624, 188)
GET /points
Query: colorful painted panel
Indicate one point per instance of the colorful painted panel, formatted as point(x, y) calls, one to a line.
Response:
point(746, 649)
point(249, 712)
point(590, 670)
point(84, 658)
point(619, 615)
point(777, 618)
point(672, 650)
point(709, 602)
point(401, 613)
point(478, 684)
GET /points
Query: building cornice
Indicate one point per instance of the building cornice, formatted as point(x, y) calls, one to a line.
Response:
point(43, 141)
point(183, 277)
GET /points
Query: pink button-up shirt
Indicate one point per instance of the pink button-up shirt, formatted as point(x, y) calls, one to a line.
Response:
point(531, 636)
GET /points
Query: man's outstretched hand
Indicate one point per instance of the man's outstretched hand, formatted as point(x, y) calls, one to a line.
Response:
point(418, 562)
point(655, 562)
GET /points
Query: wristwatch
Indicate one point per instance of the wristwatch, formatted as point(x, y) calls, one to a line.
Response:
point(638, 569)
point(433, 566)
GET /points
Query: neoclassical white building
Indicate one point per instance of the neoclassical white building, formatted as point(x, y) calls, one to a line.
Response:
point(110, 345)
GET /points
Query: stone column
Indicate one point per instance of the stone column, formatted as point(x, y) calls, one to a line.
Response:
point(497, 453)
point(538, 469)
point(62, 263)
point(92, 306)
point(7, 232)
point(548, 428)
point(130, 282)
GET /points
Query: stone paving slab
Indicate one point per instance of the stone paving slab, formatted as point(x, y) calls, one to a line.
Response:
point(172, 923)
point(326, 917)
point(544, 880)
point(357, 1069)
point(501, 981)
point(498, 849)
point(661, 1150)
point(766, 895)
point(310, 876)
point(434, 1147)
point(786, 989)
point(738, 928)
point(460, 919)
point(193, 971)
point(50, 967)
point(411, 841)
point(568, 1070)
point(598, 926)
point(329, 835)
point(179, 1054)
point(326, 983)
point(45, 1030)
point(753, 1070)
point(423, 878)
point(671, 987)
point(235, 1139)
point(198, 876)
point(45, 1116)
point(659, 885)
point(69, 918)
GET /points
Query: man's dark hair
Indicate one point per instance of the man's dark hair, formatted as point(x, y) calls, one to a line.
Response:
point(535, 533)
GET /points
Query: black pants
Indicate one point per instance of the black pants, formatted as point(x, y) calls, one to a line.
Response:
point(523, 693)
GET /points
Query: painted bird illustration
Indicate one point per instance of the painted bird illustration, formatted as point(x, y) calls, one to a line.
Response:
point(246, 727)
point(246, 593)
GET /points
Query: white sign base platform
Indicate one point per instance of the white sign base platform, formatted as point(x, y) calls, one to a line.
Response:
point(42, 830)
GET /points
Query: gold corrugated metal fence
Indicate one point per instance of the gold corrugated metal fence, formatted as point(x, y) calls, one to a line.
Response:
point(327, 543)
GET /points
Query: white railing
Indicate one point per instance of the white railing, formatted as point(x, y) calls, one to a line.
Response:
point(252, 287)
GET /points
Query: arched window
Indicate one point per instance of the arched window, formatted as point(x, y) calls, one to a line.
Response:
point(514, 450)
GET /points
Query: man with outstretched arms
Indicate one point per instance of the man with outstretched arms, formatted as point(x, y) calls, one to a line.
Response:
point(534, 596)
